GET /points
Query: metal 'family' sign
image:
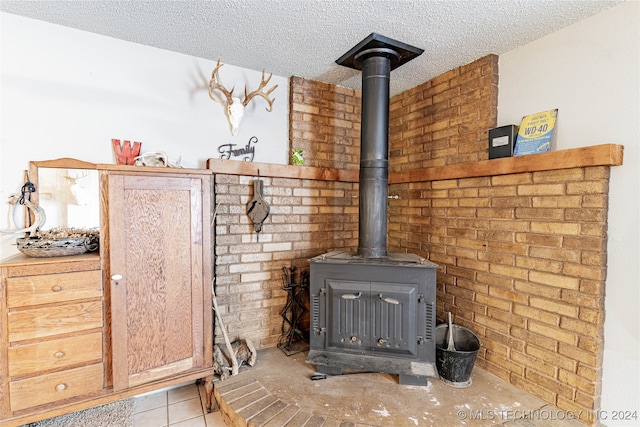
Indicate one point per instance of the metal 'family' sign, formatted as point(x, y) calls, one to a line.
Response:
point(228, 151)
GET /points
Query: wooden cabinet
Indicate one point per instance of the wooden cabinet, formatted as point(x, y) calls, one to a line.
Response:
point(158, 264)
point(85, 330)
point(53, 322)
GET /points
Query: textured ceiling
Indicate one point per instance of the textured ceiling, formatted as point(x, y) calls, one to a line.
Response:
point(305, 37)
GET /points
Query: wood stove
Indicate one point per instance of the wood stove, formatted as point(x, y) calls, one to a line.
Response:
point(373, 310)
point(375, 314)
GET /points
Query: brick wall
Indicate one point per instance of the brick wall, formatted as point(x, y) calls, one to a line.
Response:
point(445, 120)
point(523, 264)
point(523, 256)
point(307, 218)
point(325, 124)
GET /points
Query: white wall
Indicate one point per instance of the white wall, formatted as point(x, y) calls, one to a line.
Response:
point(590, 71)
point(67, 93)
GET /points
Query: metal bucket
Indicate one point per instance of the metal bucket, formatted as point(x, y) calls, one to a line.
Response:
point(454, 367)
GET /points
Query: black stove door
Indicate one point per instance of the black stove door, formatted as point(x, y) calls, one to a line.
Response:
point(348, 314)
point(394, 308)
point(372, 317)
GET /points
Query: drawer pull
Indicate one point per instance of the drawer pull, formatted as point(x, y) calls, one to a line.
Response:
point(59, 354)
point(61, 387)
point(56, 288)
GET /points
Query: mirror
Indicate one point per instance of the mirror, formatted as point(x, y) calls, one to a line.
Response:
point(68, 191)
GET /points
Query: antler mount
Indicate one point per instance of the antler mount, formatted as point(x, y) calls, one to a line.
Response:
point(235, 106)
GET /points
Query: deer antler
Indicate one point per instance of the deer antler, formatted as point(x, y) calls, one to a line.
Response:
point(258, 92)
point(234, 107)
point(215, 83)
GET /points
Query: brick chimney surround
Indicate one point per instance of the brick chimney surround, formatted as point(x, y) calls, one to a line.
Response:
point(521, 241)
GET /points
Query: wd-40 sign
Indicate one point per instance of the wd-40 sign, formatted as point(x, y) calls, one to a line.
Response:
point(536, 131)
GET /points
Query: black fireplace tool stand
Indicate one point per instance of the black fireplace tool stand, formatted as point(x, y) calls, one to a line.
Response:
point(294, 339)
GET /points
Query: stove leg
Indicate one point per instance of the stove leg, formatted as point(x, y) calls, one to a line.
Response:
point(405, 379)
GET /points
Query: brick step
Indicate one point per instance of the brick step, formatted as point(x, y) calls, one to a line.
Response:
point(244, 402)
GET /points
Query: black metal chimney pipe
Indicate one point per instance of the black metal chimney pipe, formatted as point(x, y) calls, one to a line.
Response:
point(374, 157)
point(376, 56)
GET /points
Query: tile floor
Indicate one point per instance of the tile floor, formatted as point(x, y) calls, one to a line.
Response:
point(179, 406)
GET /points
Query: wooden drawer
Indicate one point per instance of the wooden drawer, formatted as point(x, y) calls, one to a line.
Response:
point(57, 386)
point(30, 359)
point(54, 320)
point(53, 288)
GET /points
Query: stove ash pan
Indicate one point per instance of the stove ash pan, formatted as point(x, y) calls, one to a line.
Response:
point(374, 315)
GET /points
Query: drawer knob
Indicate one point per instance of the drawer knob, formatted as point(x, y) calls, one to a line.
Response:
point(56, 288)
point(59, 354)
point(61, 387)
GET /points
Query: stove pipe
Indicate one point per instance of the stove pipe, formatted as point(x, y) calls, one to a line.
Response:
point(376, 56)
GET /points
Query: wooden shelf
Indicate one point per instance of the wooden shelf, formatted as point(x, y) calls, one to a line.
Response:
point(596, 155)
point(235, 167)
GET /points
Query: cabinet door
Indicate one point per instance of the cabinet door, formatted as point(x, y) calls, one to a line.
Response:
point(158, 244)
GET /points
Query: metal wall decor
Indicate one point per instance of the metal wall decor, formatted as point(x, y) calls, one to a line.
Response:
point(227, 151)
point(258, 208)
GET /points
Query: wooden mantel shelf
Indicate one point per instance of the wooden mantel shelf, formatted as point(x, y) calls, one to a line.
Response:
point(234, 167)
point(596, 155)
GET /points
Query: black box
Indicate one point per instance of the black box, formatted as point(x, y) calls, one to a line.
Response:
point(502, 140)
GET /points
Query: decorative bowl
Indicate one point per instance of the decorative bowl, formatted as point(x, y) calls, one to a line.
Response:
point(40, 247)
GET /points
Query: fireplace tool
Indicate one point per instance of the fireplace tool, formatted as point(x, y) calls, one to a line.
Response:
point(293, 339)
